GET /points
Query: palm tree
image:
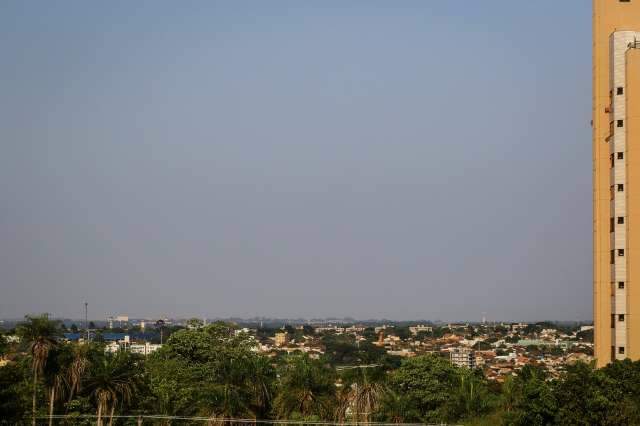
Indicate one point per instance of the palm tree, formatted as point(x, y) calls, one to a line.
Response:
point(77, 369)
point(398, 409)
point(307, 389)
point(228, 392)
point(40, 333)
point(366, 396)
point(111, 381)
point(261, 383)
point(344, 399)
point(54, 375)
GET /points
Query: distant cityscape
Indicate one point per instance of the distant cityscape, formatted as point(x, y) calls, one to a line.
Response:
point(498, 349)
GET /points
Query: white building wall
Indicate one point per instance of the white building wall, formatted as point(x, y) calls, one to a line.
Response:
point(619, 44)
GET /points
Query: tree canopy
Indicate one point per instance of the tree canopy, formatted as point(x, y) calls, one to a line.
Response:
point(214, 371)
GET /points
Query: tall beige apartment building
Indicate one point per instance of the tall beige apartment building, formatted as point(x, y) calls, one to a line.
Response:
point(616, 179)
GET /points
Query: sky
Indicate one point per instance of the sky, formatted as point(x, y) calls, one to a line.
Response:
point(373, 159)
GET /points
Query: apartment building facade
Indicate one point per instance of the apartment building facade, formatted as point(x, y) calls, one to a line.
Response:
point(616, 179)
point(463, 357)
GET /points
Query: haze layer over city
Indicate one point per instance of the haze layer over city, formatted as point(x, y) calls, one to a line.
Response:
point(413, 160)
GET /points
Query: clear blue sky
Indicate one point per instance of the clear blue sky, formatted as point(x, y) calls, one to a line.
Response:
point(414, 159)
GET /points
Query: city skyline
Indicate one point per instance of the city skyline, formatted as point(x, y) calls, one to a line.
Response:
point(428, 161)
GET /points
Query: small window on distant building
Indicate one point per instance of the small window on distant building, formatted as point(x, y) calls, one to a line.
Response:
point(620, 252)
point(620, 220)
point(625, 1)
point(620, 187)
point(620, 123)
point(612, 257)
point(621, 285)
point(621, 317)
point(620, 91)
point(620, 155)
point(611, 227)
point(611, 164)
point(621, 350)
point(613, 320)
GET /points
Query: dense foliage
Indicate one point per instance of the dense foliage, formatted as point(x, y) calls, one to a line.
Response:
point(215, 371)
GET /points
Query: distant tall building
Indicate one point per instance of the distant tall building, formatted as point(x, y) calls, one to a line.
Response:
point(616, 179)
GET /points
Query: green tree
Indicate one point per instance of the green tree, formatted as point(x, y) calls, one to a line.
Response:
point(342, 403)
point(367, 392)
point(370, 333)
point(512, 339)
point(112, 381)
point(4, 345)
point(55, 375)
point(173, 385)
point(471, 398)
point(40, 334)
point(262, 382)
point(15, 392)
point(397, 408)
point(482, 346)
point(528, 399)
point(340, 349)
point(306, 390)
point(195, 323)
point(625, 378)
point(402, 332)
point(77, 369)
point(586, 336)
point(210, 371)
point(368, 353)
point(429, 383)
point(587, 396)
point(438, 332)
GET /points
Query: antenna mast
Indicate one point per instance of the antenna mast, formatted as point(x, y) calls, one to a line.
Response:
point(86, 319)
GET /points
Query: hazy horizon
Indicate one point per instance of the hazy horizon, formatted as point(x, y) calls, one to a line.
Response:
point(413, 160)
point(293, 321)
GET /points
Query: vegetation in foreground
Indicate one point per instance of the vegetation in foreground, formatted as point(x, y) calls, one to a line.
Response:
point(214, 372)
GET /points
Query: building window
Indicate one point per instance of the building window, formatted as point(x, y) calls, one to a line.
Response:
point(621, 285)
point(620, 252)
point(620, 91)
point(611, 227)
point(612, 258)
point(613, 321)
point(621, 317)
point(620, 220)
point(611, 160)
point(620, 155)
point(620, 123)
point(621, 350)
point(620, 187)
